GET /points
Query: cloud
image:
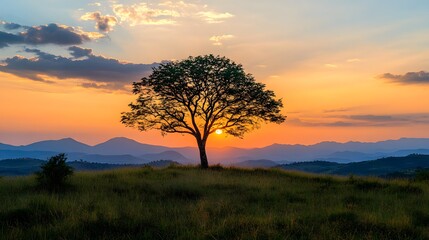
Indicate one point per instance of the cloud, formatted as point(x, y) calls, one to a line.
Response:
point(364, 120)
point(9, 38)
point(97, 4)
point(421, 77)
point(102, 23)
point(179, 5)
point(94, 85)
point(214, 17)
point(166, 13)
point(373, 118)
point(78, 52)
point(337, 110)
point(218, 40)
point(100, 71)
point(328, 65)
point(11, 26)
point(143, 14)
point(48, 34)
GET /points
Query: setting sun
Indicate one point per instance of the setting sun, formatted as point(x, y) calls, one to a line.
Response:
point(219, 131)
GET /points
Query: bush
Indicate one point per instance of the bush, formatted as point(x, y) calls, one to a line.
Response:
point(54, 173)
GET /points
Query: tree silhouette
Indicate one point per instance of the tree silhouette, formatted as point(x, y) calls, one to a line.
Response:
point(200, 95)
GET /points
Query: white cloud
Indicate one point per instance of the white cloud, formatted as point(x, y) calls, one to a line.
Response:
point(166, 13)
point(97, 4)
point(143, 14)
point(218, 40)
point(179, 5)
point(214, 17)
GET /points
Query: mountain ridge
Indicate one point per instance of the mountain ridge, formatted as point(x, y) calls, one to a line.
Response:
point(351, 151)
point(378, 167)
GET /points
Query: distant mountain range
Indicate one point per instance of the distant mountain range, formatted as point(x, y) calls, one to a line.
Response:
point(379, 167)
point(128, 151)
point(384, 167)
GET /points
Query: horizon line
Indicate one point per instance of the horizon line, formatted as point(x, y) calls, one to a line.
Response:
point(157, 145)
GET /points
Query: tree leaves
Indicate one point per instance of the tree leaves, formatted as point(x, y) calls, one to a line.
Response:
point(199, 95)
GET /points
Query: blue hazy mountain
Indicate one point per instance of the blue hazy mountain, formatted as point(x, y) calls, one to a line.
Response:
point(12, 154)
point(123, 145)
point(379, 167)
point(167, 155)
point(114, 151)
point(328, 151)
point(62, 145)
point(134, 152)
point(262, 163)
point(6, 147)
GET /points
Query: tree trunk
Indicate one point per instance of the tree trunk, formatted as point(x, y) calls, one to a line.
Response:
point(203, 154)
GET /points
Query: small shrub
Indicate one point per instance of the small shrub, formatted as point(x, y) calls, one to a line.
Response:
point(54, 173)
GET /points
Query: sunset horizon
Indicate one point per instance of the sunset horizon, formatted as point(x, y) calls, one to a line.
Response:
point(214, 119)
point(346, 76)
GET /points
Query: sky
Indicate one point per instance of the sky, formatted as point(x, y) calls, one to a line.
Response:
point(346, 70)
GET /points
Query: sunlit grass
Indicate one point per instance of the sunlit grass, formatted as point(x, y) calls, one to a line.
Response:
point(190, 203)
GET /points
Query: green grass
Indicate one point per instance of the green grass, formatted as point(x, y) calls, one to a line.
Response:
point(190, 203)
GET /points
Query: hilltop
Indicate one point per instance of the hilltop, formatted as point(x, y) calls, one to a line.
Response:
point(379, 167)
point(218, 203)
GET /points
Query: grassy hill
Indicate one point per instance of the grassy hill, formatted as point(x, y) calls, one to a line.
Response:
point(190, 203)
point(379, 167)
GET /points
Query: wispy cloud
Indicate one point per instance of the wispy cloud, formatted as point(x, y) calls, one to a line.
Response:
point(421, 77)
point(181, 5)
point(214, 17)
point(218, 40)
point(166, 13)
point(100, 71)
point(48, 34)
point(97, 4)
point(336, 110)
point(364, 120)
point(102, 23)
point(143, 14)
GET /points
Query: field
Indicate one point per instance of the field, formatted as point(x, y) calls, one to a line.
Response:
point(190, 203)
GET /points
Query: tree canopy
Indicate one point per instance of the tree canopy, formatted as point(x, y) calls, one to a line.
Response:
point(200, 95)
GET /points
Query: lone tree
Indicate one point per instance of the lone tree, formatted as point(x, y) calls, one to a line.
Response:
point(199, 96)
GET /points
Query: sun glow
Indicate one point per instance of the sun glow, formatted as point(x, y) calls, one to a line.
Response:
point(219, 131)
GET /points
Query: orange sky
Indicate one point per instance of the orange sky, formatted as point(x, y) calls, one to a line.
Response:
point(327, 68)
